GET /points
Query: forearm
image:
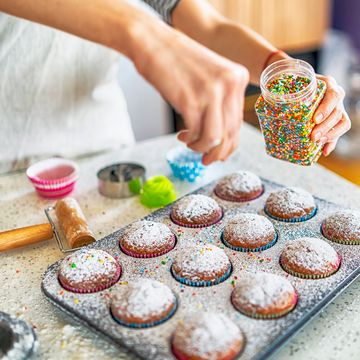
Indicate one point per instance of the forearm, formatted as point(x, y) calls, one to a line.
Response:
point(113, 23)
point(201, 21)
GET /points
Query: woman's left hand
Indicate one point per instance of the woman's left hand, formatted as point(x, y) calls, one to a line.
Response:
point(331, 119)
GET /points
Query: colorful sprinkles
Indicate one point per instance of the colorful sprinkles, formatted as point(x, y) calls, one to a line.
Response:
point(287, 125)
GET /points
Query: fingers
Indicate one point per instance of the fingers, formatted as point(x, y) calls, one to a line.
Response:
point(333, 96)
point(211, 130)
point(319, 132)
point(329, 147)
point(338, 130)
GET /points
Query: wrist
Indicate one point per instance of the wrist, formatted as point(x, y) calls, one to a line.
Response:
point(273, 56)
point(148, 41)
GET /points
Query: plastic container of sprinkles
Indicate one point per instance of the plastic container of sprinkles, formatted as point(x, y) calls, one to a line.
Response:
point(290, 94)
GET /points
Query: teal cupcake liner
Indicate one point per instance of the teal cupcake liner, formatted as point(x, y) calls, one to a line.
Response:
point(201, 283)
point(242, 249)
point(147, 325)
point(293, 220)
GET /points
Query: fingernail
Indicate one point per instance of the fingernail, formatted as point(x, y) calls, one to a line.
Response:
point(324, 140)
point(319, 117)
point(317, 136)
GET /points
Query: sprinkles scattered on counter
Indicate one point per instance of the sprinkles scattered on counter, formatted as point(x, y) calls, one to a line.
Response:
point(287, 124)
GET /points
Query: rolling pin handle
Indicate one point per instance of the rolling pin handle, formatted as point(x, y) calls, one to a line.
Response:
point(13, 239)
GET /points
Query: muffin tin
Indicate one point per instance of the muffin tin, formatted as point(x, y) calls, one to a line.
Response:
point(263, 337)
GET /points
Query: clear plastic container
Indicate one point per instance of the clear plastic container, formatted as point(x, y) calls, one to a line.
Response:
point(286, 117)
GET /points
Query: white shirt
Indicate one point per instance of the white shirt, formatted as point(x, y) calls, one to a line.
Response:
point(59, 95)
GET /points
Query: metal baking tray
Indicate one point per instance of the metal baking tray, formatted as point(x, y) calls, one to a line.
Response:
point(263, 337)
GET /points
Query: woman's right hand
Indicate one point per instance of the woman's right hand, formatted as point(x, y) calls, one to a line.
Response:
point(204, 87)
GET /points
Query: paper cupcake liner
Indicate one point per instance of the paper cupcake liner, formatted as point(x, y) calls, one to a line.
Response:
point(339, 241)
point(236, 199)
point(309, 276)
point(242, 249)
point(97, 289)
point(146, 325)
point(293, 220)
point(177, 222)
point(202, 283)
point(269, 316)
point(148, 256)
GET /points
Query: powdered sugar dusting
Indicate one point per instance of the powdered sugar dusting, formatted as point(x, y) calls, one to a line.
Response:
point(142, 299)
point(147, 235)
point(291, 200)
point(198, 261)
point(345, 225)
point(193, 207)
point(206, 334)
point(247, 227)
point(261, 290)
point(239, 183)
point(88, 265)
point(311, 254)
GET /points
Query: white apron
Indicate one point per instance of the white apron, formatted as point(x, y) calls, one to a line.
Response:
point(59, 95)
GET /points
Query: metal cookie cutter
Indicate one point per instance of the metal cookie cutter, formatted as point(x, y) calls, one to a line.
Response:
point(121, 180)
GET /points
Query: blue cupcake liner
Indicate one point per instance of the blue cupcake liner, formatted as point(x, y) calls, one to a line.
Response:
point(293, 220)
point(185, 164)
point(261, 248)
point(202, 283)
point(147, 325)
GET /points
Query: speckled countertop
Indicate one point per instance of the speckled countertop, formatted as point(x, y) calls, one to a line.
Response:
point(333, 334)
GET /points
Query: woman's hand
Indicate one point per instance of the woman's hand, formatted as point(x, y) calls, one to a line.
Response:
point(204, 87)
point(330, 117)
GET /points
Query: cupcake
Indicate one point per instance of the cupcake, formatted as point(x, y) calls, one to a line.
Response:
point(290, 204)
point(264, 295)
point(240, 186)
point(88, 270)
point(343, 227)
point(249, 232)
point(196, 211)
point(201, 265)
point(309, 258)
point(143, 303)
point(207, 336)
point(145, 239)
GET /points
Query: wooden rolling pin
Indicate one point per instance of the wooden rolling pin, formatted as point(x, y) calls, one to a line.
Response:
point(72, 223)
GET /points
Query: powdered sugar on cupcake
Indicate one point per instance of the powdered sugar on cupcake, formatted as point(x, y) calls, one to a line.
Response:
point(289, 201)
point(88, 265)
point(241, 182)
point(247, 226)
point(199, 261)
point(205, 335)
point(262, 290)
point(343, 225)
point(143, 299)
point(193, 208)
point(147, 235)
point(310, 254)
